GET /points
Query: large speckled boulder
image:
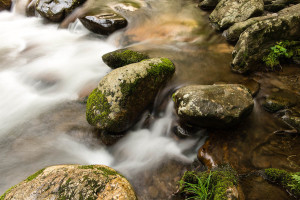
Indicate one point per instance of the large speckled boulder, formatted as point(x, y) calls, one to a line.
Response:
point(233, 33)
point(254, 43)
point(228, 12)
point(5, 4)
point(73, 182)
point(122, 57)
point(213, 106)
point(57, 10)
point(104, 23)
point(123, 94)
point(208, 4)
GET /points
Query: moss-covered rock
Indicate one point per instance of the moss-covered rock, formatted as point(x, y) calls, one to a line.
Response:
point(73, 182)
point(5, 4)
point(56, 10)
point(255, 42)
point(122, 57)
point(220, 183)
point(228, 12)
point(288, 180)
point(213, 106)
point(125, 93)
point(104, 23)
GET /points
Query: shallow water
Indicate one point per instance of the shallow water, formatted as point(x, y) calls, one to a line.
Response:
point(45, 72)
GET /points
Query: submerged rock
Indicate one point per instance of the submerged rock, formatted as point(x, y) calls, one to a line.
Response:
point(279, 100)
point(213, 106)
point(208, 4)
point(292, 117)
point(228, 12)
point(56, 11)
point(104, 23)
point(5, 4)
point(73, 182)
point(288, 180)
point(254, 43)
point(125, 93)
point(222, 183)
point(122, 57)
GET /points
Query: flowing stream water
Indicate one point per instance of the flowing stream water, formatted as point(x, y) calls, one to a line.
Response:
point(46, 71)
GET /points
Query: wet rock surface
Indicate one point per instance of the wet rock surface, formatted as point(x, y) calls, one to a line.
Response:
point(122, 57)
point(228, 12)
point(254, 43)
point(276, 5)
point(125, 93)
point(104, 23)
point(208, 4)
point(5, 4)
point(213, 106)
point(56, 11)
point(73, 182)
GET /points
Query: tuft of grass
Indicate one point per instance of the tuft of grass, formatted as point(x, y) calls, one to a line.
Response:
point(200, 190)
point(283, 50)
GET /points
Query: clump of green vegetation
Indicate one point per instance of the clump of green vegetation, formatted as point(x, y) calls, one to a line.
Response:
point(97, 108)
point(283, 50)
point(123, 57)
point(164, 68)
point(33, 176)
point(288, 180)
point(6, 192)
point(208, 185)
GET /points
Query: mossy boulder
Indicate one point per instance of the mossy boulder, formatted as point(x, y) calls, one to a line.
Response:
point(123, 94)
point(228, 12)
point(57, 10)
point(73, 182)
point(288, 180)
point(104, 23)
point(255, 42)
point(122, 57)
point(208, 4)
point(5, 4)
point(213, 106)
point(219, 183)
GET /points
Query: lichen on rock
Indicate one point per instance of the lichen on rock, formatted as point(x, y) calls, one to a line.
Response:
point(213, 106)
point(73, 182)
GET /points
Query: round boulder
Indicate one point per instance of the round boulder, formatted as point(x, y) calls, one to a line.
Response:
point(73, 182)
point(213, 106)
point(122, 57)
point(104, 23)
point(126, 92)
point(56, 10)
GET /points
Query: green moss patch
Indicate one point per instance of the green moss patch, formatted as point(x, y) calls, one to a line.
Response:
point(97, 108)
point(288, 180)
point(6, 192)
point(123, 57)
point(164, 68)
point(33, 176)
point(211, 185)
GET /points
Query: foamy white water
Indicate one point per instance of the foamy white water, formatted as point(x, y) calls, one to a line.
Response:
point(41, 68)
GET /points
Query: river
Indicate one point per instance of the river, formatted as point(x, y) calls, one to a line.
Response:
point(45, 72)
